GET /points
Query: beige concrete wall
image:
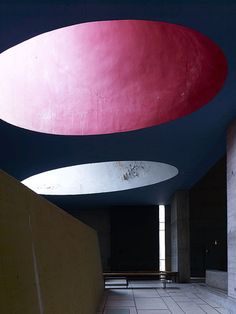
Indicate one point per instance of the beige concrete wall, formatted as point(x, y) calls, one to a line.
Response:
point(49, 261)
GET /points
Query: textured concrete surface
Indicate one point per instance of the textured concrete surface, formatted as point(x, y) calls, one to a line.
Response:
point(231, 208)
point(217, 279)
point(208, 221)
point(49, 261)
point(180, 251)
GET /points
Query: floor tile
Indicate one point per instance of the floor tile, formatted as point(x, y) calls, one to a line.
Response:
point(154, 312)
point(139, 293)
point(190, 308)
point(150, 304)
point(172, 305)
point(180, 299)
point(208, 301)
point(121, 302)
point(208, 309)
point(176, 294)
point(190, 294)
point(120, 310)
point(223, 311)
point(119, 292)
point(162, 293)
point(177, 299)
point(119, 297)
point(198, 301)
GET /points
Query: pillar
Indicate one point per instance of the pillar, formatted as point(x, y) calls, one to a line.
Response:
point(180, 253)
point(231, 208)
point(168, 237)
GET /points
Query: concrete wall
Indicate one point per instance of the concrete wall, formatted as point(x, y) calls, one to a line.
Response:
point(98, 219)
point(134, 238)
point(217, 279)
point(231, 208)
point(49, 261)
point(180, 250)
point(168, 237)
point(123, 232)
point(208, 221)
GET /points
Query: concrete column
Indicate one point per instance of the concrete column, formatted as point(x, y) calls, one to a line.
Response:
point(231, 208)
point(180, 253)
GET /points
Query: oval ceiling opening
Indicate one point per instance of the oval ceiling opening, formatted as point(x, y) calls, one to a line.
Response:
point(108, 76)
point(100, 177)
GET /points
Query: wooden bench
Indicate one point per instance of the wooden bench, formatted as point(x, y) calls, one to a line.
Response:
point(164, 276)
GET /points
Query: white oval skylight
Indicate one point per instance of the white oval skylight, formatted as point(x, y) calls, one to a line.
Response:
point(100, 177)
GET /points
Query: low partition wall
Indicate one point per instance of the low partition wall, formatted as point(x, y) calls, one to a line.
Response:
point(217, 279)
point(49, 261)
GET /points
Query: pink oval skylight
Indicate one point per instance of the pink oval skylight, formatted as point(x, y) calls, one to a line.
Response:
point(108, 76)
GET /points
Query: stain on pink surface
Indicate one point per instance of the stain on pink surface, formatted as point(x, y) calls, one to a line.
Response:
point(108, 76)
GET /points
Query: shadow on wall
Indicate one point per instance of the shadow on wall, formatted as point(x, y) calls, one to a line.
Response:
point(208, 221)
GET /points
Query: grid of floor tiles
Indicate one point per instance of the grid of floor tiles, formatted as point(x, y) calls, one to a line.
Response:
point(177, 299)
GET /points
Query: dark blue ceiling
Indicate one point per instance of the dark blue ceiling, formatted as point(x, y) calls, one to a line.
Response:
point(193, 143)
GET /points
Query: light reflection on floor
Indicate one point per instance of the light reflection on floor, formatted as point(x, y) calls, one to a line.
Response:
point(149, 297)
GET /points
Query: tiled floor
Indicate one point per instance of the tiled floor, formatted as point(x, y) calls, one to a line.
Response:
point(151, 298)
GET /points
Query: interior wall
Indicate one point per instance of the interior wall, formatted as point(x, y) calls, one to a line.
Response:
point(50, 261)
point(98, 219)
point(208, 221)
point(134, 238)
point(128, 235)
